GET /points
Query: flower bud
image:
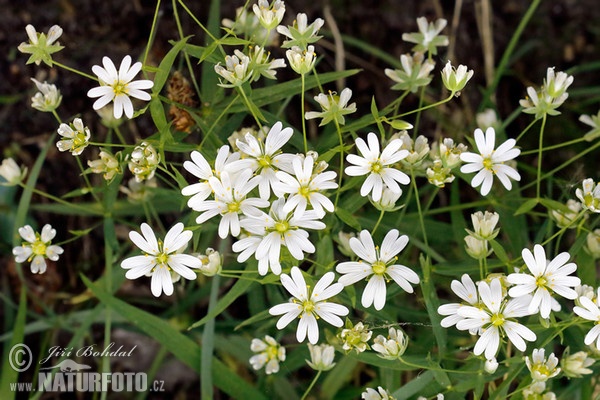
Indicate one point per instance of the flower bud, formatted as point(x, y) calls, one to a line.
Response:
point(576, 365)
point(11, 172)
point(143, 162)
point(392, 347)
point(491, 365)
point(355, 337)
point(321, 357)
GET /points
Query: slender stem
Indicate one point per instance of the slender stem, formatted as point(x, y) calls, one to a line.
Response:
point(420, 212)
point(341, 172)
point(556, 146)
point(315, 379)
point(185, 54)
point(418, 118)
point(74, 70)
point(152, 31)
point(302, 114)
point(119, 135)
point(538, 181)
point(87, 210)
point(381, 214)
point(532, 123)
point(425, 107)
point(247, 101)
point(86, 179)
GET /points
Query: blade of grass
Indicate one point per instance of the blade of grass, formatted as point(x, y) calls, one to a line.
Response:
point(9, 374)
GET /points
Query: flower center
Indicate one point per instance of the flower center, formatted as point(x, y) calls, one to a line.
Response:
point(120, 88)
point(497, 319)
point(308, 306)
point(378, 267)
point(38, 247)
point(376, 167)
point(304, 191)
point(233, 207)
point(162, 258)
point(488, 164)
point(282, 226)
point(541, 281)
point(79, 140)
point(264, 161)
point(272, 352)
point(542, 369)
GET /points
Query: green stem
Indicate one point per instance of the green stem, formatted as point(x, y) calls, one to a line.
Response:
point(241, 90)
point(74, 71)
point(61, 201)
point(419, 210)
point(418, 118)
point(315, 379)
point(302, 114)
point(381, 214)
point(341, 172)
point(424, 108)
point(532, 123)
point(538, 182)
point(152, 31)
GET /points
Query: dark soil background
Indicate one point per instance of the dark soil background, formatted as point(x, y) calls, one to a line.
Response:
point(563, 33)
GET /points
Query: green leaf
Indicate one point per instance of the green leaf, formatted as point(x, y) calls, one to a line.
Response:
point(347, 218)
point(324, 251)
point(164, 69)
point(9, 374)
point(157, 111)
point(180, 345)
point(338, 377)
point(499, 251)
point(238, 289)
point(526, 206)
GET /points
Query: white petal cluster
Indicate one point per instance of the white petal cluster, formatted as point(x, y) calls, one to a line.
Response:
point(542, 369)
point(119, 86)
point(309, 305)
point(590, 309)
point(75, 137)
point(37, 247)
point(378, 166)
point(321, 357)
point(11, 172)
point(490, 161)
point(268, 352)
point(589, 195)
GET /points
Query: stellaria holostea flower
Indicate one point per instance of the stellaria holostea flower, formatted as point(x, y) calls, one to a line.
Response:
point(378, 165)
point(301, 60)
point(47, 99)
point(41, 46)
point(455, 79)
point(119, 86)
point(269, 15)
point(377, 265)
point(428, 38)
point(11, 172)
point(37, 247)
point(109, 165)
point(594, 122)
point(490, 162)
point(392, 347)
point(75, 137)
point(301, 34)
point(590, 309)
point(268, 352)
point(321, 356)
point(589, 195)
point(415, 72)
point(334, 107)
point(545, 277)
point(541, 368)
point(309, 306)
point(379, 394)
point(164, 261)
point(143, 161)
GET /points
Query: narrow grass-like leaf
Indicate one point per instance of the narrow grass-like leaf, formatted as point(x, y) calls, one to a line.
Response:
point(9, 374)
point(338, 377)
point(347, 218)
point(164, 69)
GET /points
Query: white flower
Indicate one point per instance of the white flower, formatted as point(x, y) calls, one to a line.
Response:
point(305, 187)
point(202, 170)
point(355, 337)
point(119, 86)
point(108, 165)
point(417, 150)
point(540, 368)
point(392, 347)
point(490, 162)
point(414, 74)
point(278, 228)
point(212, 263)
point(37, 247)
point(309, 307)
point(594, 122)
point(556, 85)
point(592, 243)
point(566, 219)
point(301, 33)
point(379, 394)
point(428, 38)
point(11, 172)
point(378, 265)
point(590, 195)
point(47, 99)
point(265, 159)
point(455, 79)
point(161, 259)
point(269, 353)
point(230, 201)
point(321, 357)
point(590, 310)
point(334, 107)
point(260, 64)
point(269, 15)
point(467, 291)
point(484, 225)
point(491, 365)
point(41, 46)
point(301, 60)
point(378, 166)
point(143, 161)
point(236, 70)
point(576, 365)
point(496, 318)
point(545, 278)
point(75, 137)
